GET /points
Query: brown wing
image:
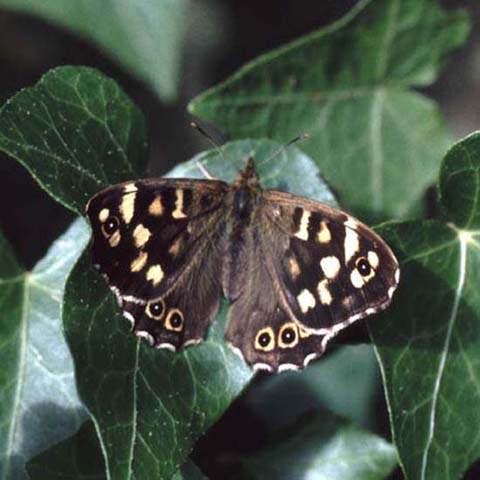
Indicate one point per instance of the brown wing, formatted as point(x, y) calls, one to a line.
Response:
point(159, 243)
point(331, 268)
point(259, 328)
point(270, 340)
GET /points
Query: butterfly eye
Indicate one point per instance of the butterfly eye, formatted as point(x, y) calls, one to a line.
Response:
point(174, 320)
point(363, 266)
point(156, 310)
point(110, 226)
point(288, 335)
point(265, 340)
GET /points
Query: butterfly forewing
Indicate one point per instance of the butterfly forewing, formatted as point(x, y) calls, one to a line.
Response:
point(334, 270)
point(159, 243)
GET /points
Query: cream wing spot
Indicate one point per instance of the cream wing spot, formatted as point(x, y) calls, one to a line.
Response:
point(356, 279)
point(156, 207)
point(155, 274)
point(141, 235)
point(324, 235)
point(139, 262)
point(352, 244)
point(302, 231)
point(114, 240)
point(178, 212)
point(304, 333)
point(129, 188)
point(324, 293)
point(373, 259)
point(306, 300)
point(351, 223)
point(104, 214)
point(330, 266)
point(127, 207)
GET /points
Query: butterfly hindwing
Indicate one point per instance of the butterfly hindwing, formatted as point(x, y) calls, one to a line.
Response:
point(334, 270)
point(180, 318)
point(271, 340)
point(159, 244)
point(259, 328)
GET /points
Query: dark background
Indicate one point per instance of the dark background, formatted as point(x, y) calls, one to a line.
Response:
point(29, 47)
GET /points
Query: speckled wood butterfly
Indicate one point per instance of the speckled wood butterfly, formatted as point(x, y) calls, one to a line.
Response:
point(294, 270)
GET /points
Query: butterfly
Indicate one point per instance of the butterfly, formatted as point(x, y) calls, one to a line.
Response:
point(294, 271)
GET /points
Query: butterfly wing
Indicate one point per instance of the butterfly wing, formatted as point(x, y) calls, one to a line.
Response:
point(159, 243)
point(332, 269)
point(259, 328)
point(271, 341)
point(300, 273)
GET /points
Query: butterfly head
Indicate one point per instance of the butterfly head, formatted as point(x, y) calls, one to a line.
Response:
point(248, 177)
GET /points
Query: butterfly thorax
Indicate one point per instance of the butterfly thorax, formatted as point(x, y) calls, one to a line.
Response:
point(246, 193)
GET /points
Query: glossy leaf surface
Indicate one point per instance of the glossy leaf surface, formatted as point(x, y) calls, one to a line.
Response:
point(349, 86)
point(145, 37)
point(39, 404)
point(428, 342)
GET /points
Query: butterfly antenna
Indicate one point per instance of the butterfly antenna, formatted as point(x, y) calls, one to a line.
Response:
point(212, 141)
point(205, 172)
point(298, 138)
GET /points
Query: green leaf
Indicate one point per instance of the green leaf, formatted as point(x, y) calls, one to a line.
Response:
point(287, 169)
point(80, 458)
point(189, 471)
point(77, 458)
point(70, 129)
point(323, 447)
point(149, 406)
point(428, 342)
point(349, 87)
point(346, 382)
point(145, 37)
point(459, 182)
point(39, 404)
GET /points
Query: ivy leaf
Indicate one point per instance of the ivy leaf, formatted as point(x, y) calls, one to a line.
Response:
point(345, 382)
point(70, 129)
point(80, 458)
point(77, 458)
point(145, 37)
point(150, 406)
point(427, 342)
point(39, 405)
point(349, 86)
point(189, 471)
point(323, 447)
point(280, 168)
